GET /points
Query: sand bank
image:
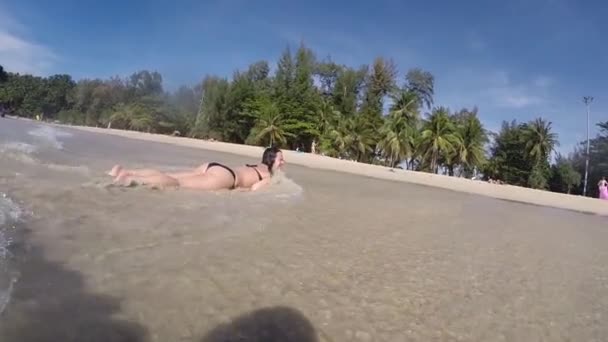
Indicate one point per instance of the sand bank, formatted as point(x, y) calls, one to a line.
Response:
point(504, 192)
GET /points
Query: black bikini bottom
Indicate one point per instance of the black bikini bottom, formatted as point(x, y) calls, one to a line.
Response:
point(210, 165)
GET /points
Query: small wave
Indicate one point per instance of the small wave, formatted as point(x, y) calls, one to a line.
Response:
point(10, 213)
point(76, 169)
point(17, 146)
point(22, 152)
point(9, 210)
point(19, 151)
point(5, 295)
point(284, 187)
point(50, 136)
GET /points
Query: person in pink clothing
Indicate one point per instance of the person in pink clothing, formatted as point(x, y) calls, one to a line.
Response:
point(603, 187)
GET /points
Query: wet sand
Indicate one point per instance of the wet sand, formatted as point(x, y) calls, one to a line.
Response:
point(323, 256)
point(504, 191)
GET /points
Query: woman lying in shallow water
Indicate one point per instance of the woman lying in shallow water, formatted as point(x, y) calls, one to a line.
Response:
point(209, 176)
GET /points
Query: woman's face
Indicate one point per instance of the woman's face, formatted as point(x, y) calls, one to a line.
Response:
point(278, 162)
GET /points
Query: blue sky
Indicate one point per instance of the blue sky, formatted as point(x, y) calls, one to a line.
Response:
point(513, 59)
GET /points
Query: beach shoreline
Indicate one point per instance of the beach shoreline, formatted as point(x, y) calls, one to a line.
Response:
point(105, 263)
point(499, 191)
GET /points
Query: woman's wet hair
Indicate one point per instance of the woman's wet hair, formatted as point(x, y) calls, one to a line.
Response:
point(269, 156)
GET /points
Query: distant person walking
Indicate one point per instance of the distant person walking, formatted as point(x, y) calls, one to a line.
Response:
point(603, 187)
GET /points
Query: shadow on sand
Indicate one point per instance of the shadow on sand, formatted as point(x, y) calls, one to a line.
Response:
point(272, 324)
point(50, 304)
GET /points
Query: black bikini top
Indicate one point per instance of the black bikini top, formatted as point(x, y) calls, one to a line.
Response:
point(254, 167)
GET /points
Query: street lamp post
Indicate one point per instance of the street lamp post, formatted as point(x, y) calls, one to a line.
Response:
point(587, 100)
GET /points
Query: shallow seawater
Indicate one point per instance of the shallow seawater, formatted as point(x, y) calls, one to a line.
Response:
point(49, 136)
point(353, 257)
point(10, 214)
point(20, 157)
point(79, 197)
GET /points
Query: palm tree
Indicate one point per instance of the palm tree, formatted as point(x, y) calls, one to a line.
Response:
point(421, 83)
point(142, 123)
point(405, 104)
point(121, 115)
point(339, 137)
point(540, 141)
point(438, 136)
point(397, 139)
point(327, 117)
point(361, 139)
point(269, 124)
point(134, 116)
point(398, 132)
point(417, 155)
point(456, 155)
point(473, 137)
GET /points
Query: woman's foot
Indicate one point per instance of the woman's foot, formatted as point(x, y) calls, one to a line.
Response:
point(115, 170)
point(123, 179)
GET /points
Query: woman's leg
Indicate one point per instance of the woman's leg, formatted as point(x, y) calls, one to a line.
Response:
point(119, 171)
point(159, 179)
point(214, 179)
point(195, 172)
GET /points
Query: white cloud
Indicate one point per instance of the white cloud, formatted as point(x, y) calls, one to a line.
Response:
point(18, 54)
point(508, 94)
point(475, 42)
point(342, 47)
point(502, 91)
point(514, 98)
point(497, 93)
point(543, 81)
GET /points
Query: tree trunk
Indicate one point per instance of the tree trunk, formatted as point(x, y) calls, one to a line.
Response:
point(434, 161)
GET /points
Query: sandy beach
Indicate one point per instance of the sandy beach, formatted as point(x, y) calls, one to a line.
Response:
point(364, 254)
point(505, 192)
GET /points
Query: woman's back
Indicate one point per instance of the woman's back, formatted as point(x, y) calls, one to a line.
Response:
point(251, 174)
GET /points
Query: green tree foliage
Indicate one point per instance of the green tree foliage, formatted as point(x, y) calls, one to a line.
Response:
point(470, 152)
point(352, 112)
point(58, 94)
point(520, 153)
point(399, 132)
point(327, 73)
point(269, 128)
point(598, 160)
point(439, 138)
point(304, 100)
point(3, 75)
point(211, 118)
point(379, 83)
point(508, 161)
point(539, 139)
point(564, 177)
point(347, 92)
point(421, 83)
